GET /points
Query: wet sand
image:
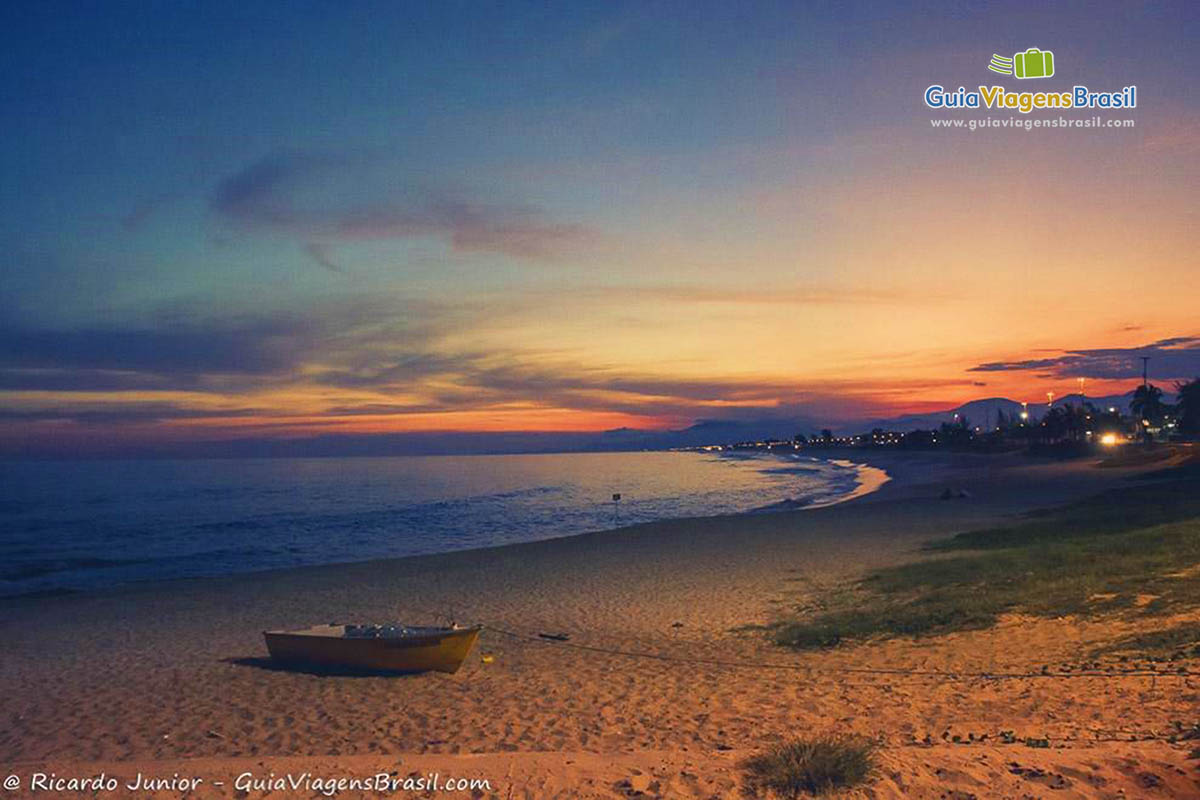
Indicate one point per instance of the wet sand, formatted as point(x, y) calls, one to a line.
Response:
point(172, 677)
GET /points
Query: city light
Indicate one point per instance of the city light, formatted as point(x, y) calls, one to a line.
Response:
point(1108, 439)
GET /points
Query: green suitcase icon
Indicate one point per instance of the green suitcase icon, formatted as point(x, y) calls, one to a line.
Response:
point(1034, 63)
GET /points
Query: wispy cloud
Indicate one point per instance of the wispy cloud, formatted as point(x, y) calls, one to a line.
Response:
point(1177, 357)
point(143, 211)
point(1174, 135)
point(313, 197)
point(232, 347)
point(185, 350)
point(480, 381)
point(123, 412)
point(320, 254)
point(783, 295)
point(371, 358)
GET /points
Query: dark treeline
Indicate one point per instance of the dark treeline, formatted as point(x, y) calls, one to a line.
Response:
point(1065, 429)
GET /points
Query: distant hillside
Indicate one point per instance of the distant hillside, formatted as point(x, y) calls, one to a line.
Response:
point(702, 433)
point(982, 413)
point(979, 413)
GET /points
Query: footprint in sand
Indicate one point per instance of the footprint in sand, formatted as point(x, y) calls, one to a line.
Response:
point(1050, 780)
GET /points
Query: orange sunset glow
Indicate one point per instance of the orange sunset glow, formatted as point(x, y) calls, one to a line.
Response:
point(822, 257)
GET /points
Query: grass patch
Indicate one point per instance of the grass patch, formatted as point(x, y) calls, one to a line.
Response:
point(1132, 549)
point(1182, 641)
point(1114, 512)
point(810, 767)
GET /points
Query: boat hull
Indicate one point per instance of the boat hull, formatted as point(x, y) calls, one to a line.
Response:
point(327, 646)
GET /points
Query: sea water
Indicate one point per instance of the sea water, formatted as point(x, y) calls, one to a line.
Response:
point(77, 526)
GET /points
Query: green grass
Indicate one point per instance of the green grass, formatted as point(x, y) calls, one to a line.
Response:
point(1182, 641)
point(810, 767)
point(1114, 512)
point(1088, 558)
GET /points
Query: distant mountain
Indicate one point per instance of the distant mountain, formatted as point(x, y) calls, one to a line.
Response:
point(978, 413)
point(704, 432)
point(1118, 401)
point(982, 413)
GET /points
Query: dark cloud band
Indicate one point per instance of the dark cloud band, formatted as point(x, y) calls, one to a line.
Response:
point(1174, 358)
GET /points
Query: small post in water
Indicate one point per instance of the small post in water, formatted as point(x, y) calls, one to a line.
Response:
point(616, 507)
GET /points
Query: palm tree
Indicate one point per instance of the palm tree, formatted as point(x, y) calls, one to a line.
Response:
point(1054, 425)
point(1147, 403)
point(1189, 407)
point(1075, 420)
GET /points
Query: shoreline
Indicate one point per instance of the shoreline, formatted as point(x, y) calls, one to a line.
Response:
point(902, 491)
point(890, 477)
point(174, 674)
point(868, 479)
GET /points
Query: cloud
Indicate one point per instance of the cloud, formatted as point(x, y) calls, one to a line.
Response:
point(84, 380)
point(786, 295)
point(186, 350)
point(1175, 136)
point(144, 210)
point(489, 380)
point(320, 254)
point(110, 413)
point(260, 346)
point(320, 199)
point(392, 371)
point(1174, 358)
point(367, 357)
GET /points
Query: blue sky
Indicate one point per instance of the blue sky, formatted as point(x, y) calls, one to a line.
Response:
point(230, 220)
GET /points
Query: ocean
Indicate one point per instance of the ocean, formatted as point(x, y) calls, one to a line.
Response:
point(79, 526)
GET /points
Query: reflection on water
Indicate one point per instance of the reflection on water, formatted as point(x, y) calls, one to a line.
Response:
point(80, 525)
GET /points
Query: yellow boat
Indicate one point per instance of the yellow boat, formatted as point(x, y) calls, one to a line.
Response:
point(376, 648)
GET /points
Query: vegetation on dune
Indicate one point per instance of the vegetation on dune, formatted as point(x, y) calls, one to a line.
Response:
point(810, 767)
point(1189, 407)
point(1181, 641)
point(1135, 549)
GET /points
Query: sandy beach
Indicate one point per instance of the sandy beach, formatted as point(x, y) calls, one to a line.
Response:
point(664, 686)
point(687, 401)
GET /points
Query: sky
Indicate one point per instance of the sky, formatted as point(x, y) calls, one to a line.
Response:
point(270, 221)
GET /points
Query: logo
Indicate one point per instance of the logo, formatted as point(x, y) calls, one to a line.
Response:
point(1033, 63)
